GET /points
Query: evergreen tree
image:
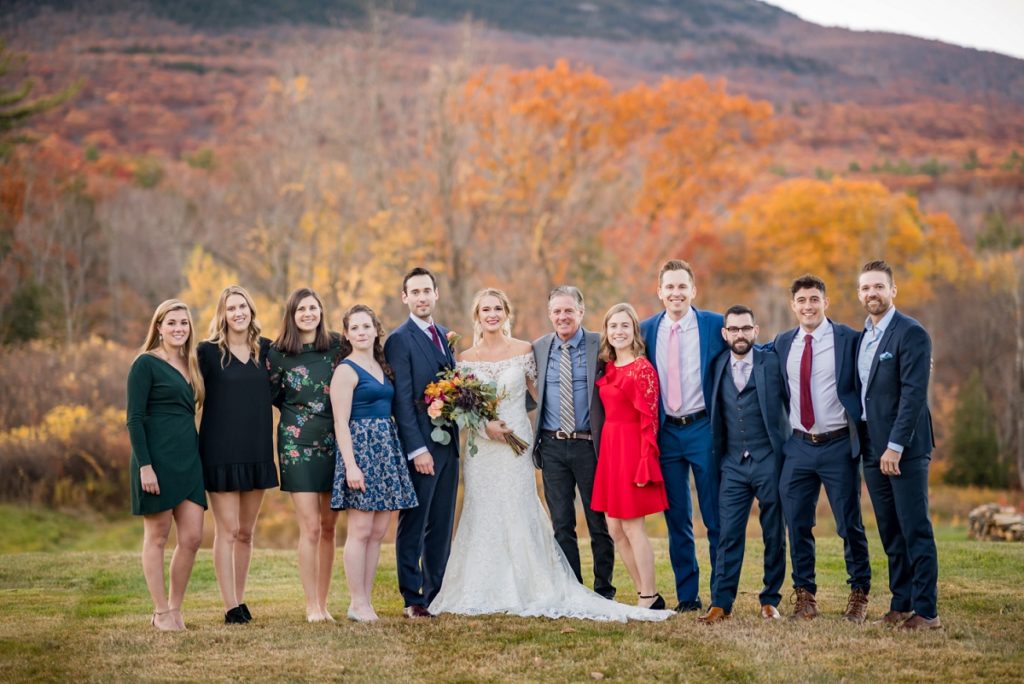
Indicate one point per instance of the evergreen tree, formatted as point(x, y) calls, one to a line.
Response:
point(974, 453)
point(15, 106)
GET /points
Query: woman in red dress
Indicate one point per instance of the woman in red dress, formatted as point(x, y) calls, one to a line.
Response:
point(628, 484)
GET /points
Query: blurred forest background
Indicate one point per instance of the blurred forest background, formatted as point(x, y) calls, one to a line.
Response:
point(158, 149)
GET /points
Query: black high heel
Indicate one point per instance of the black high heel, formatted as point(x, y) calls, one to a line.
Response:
point(245, 612)
point(658, 604)
point(235, 616)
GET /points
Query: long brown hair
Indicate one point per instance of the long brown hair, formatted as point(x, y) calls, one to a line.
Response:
point(289, 340)
point(219, 325)
point(606, 350)
point(188, 350)
point(378, 342)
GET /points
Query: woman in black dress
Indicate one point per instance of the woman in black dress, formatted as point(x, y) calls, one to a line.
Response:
point(301, 362)
point(235, 440)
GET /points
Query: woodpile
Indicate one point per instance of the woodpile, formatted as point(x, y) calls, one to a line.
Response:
point(992, 522)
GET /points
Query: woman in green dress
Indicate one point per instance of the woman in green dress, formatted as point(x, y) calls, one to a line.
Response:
point(164, 389)
point(301, 362)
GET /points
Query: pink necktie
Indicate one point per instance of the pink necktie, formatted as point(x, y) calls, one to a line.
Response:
point(675, 370)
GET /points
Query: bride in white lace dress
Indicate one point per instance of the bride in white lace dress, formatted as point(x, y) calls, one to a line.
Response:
point(504, 558)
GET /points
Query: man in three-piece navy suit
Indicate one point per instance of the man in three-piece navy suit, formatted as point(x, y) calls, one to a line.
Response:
point(682, 341)
point(748, 426)
point(894, 366)
point(417, 351)
point(818, 360)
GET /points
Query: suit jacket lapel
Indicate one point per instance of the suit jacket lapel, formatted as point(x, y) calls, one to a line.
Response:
point(882, 344)
point(761, 385)
point(702, 336)
point(841, 342)
point(652, 340)
point(448, 355)
point(543, 354)
point(426, 345)
point(784, 347)
point(592, 350)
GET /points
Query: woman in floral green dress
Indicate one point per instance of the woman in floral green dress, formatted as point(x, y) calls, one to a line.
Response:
point(301, 362)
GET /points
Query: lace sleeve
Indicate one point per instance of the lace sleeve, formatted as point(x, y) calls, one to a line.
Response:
point(645, 399)
point(530, 367)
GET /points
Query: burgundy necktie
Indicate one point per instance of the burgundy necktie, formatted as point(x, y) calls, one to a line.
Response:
point(433, 336)
point(806, 405)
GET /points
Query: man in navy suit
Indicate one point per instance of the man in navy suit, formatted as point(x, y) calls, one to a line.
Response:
point(681, 343)
point(748, 427)
point(818, 360)
point(417, 351)
point(894, 365)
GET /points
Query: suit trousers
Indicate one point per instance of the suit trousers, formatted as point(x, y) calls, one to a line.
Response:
point(806, 468)
point(424, 537)
point(568, 464)
point(901, 509)
point(686, 448)
point(743, 479)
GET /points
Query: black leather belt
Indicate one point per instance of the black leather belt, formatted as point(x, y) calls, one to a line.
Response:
point(562, 434)
point(822, 437)
point(686, 420)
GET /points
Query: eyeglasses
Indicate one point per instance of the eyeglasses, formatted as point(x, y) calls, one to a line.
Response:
point(746, 330)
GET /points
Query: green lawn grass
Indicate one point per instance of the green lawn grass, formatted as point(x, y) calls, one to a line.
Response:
point(80, 615)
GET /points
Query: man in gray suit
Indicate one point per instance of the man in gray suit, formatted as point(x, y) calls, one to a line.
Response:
point(567, 425)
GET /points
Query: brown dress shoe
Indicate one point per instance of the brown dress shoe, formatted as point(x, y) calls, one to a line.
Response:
point(916, 622)
point(856, 607)
point(416, 612)
point(805, 607)
point(892, 618)
point(714, 614)
point(769, 612)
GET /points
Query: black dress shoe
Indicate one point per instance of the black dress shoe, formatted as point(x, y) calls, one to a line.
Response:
point(235, 616)
point(245, 611)
point(688, 606)
point(610, 595)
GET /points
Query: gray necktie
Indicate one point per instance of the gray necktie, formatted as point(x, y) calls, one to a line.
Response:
point(566, 410)
point(741, 374)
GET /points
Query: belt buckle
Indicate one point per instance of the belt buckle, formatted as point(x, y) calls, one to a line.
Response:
point(816, 439)
point(561, 434)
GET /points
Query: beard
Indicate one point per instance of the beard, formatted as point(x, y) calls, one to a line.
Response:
point(740, 346)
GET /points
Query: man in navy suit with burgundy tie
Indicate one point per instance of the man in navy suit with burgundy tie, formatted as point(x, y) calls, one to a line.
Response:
point(417, 351)
point(894, 366)
point(818, 360)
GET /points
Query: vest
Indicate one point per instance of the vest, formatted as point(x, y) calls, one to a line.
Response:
point(744, 427)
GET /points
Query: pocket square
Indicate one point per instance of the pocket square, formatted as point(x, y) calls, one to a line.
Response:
point(885, 356)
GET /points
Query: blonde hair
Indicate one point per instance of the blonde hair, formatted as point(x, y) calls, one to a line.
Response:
point(219, 324)
point(188, 350)
point(606, 351)
point(506, 328)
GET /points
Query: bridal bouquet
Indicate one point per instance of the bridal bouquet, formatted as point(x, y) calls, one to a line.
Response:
point(465, 401)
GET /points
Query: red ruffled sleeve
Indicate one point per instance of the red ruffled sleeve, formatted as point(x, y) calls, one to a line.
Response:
point(645, 400)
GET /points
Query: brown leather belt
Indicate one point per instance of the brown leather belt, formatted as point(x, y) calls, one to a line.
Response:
point(562, 434)
point(822, 437)
point(686, 420)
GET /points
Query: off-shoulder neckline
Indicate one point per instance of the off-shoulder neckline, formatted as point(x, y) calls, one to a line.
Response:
point(510, 358)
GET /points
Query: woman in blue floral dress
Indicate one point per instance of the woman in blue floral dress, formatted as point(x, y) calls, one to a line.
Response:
point(371, 477)
point(301, 362)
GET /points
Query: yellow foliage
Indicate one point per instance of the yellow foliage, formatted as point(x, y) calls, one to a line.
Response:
point(205, 279)
point(62, 422)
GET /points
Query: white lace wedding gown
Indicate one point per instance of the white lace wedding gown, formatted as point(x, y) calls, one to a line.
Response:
point(504, 558)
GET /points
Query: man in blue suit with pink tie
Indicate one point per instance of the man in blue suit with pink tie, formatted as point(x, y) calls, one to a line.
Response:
point(682, 341)
point(894, 366)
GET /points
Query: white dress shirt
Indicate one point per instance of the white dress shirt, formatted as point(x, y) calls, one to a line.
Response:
point(689, 352)
point(829, 413)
